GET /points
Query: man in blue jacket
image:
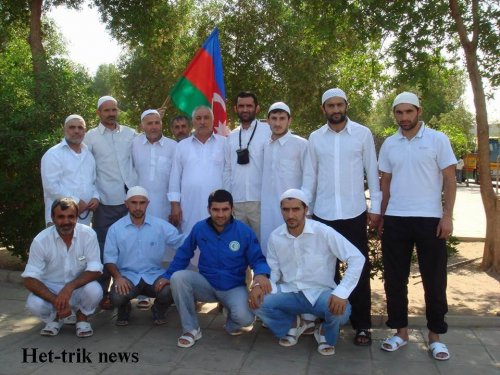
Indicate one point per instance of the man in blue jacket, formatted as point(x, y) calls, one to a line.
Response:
point(227, 248)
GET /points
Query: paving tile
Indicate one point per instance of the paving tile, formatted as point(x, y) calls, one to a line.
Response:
point(273, 364)
point(469, 355)
point(451, 367)
point(146, 369)
point(332, 365)
point(461, 336)
point(488, 336)
point(207, 357)
point(403, 367)
point(412, 352)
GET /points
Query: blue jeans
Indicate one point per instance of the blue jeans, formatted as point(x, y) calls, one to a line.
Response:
point(190, 286)
point(279, 311)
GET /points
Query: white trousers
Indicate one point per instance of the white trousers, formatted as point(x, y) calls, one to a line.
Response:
point(86, 299)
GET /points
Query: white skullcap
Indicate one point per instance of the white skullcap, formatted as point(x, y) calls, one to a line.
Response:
point(105, 98)
point(137, 190)
point(406, 98)
point(73, 117)
point(281, 106)
point(332, 93)
point(295, 194)
point(149, 112)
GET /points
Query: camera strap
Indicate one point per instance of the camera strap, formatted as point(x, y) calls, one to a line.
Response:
point(253, 133)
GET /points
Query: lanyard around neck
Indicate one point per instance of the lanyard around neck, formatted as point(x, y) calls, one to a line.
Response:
point(250, 140)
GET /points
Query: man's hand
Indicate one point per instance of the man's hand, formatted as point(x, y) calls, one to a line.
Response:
point(160, 284)
point(175, 217)
point(263, 282)
point(380, 228)
point(373, 220)
point(61, 302)
point(337, 305)
point(444, 228)
point(255, 297)
point(92, 206)
point(122, 286)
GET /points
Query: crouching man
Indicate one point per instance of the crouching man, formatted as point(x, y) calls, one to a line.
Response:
point(227, 248)
point(62, 269)
point(302, 254)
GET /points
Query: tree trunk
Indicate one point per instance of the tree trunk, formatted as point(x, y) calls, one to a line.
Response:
point(491, 255)
point(36, 45)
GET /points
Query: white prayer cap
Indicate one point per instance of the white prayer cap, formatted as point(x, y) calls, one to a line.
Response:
point(137, 190)
point(295, 194)
point(73, 117)
point(149, 112)
point(281, 106)
point(406, 98)
point(105, 98)
point(332, 93)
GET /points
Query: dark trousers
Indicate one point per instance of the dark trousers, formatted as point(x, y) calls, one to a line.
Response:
point(355, 231)
point(103, 218)
point(400, 235)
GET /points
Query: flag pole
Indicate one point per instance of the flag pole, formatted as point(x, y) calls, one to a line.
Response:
point(164, 107)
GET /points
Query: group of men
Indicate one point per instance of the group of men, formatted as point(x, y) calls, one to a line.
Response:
point(288, 208)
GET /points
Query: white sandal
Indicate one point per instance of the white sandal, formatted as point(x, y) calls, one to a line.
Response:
point(52, 328)
point(323, 347)
point(191, 337)
point(393, 343)
point(84, 329)
point(293, 334)
point(439, 348)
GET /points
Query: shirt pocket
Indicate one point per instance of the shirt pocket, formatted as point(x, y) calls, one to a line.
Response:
point(164, 164)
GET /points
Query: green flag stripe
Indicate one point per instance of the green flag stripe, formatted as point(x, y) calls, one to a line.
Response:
point(187, 97)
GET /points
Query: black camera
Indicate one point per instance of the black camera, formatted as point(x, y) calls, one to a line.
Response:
point(243, 156)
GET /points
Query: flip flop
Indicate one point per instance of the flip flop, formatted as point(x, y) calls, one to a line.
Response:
point(52, 328)
point(191, 337)
point(293, 334)
point(143, 304)
point(363, 337)
point(394, 342)
point(70, 320)
point(439, 348)
point(84, 329)
point(323, 347)
point(310, 327)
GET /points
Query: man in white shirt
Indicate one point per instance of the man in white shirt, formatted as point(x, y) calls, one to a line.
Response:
point(418, 173)
point(282, 168)
point(62, 267)
point(302, 254)
point(111, 145)
point(68, 170)
point(196, 172)
point(180, 127)
point(340, 153)
point(244, 156)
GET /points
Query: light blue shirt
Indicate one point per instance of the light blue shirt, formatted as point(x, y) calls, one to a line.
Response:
point(138, 252)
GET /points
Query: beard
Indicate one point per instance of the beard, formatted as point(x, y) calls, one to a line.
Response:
point(336, 119)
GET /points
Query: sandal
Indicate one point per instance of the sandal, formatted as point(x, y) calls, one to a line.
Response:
point(323, 347)
point(393, 343)
point(70, 320)
point(106, 303)
point(52, 328)
point(310, 327)
point(439, 348)
point(363, 337)
point(84, 329)
point(143, 303)
point(293, 334)
point(191, 337)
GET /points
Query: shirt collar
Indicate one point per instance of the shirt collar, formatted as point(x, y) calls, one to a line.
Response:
point(282, 140)
point(64, 143)
point(226, 228)
point(419, 134)
point(56, 235)
point(128, 220)
point(308, 229)
point(161, 142)
point(102, 128)
point(347, 128)
point(194, 139)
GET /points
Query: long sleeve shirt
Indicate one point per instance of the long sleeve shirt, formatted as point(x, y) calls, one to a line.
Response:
point(138, 252)
point(112, 150)
point(307, 263)
point(224, 257)
point(66, 173)
point(334, 172)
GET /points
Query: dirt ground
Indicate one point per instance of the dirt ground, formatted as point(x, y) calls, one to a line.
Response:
point(470, 290)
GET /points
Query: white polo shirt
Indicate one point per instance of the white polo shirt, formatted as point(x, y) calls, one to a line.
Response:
point(416, 166)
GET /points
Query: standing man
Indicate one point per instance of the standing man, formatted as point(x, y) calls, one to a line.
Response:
point(111, 145)
point(227, 248)
point(197, 171)
point(180, 127)
point(302, 254)
point(62, 267)
point(244, 156)
point(417, 164)
point(340, 153)
point(283, 166)
point(134, 250)
point(68, 170)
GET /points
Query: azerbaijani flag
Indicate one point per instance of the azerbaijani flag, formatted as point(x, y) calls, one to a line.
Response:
point(202, 83)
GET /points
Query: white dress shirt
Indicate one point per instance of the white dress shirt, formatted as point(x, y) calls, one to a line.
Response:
point(307, 263)
point(66, 173)
point(153, 163)
point(112, 150)
point(50, 260)
point(282, 170)
point(244, 182)
point(334, 172)
point(196, 172)
point(416, 166)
